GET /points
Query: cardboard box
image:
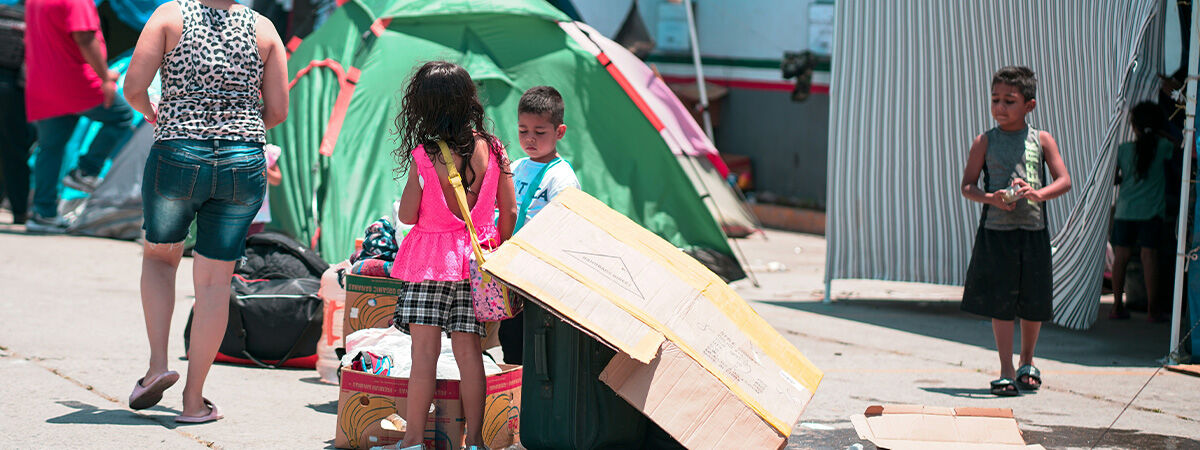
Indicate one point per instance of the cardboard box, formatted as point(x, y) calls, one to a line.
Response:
point(681, 395)
point(367, 399)
point(370, 302)
point(669, 315)
point(902, 427)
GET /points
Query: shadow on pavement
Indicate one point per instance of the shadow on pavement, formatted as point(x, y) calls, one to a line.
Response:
point(327, 408)
point(86, 414)
point(980, 393)
point(1129, 343)
point(1074, 437)
point(838, 438)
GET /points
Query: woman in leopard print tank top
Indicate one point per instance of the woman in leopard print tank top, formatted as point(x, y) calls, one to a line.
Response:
point(224, 83)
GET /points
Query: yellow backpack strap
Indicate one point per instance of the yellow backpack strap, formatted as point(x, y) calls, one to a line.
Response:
point(461, 195)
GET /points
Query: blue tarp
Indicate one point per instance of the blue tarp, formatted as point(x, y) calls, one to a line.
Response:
point(134, 13)
point(1193, 279)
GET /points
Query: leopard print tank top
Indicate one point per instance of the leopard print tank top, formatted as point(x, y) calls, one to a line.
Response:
point(212, 80)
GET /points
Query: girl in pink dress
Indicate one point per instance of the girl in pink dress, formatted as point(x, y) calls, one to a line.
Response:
point(440, 104)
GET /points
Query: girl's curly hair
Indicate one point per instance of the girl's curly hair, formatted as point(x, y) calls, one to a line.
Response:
point(441, 103)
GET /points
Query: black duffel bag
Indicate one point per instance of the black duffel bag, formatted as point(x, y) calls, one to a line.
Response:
point(272, 323)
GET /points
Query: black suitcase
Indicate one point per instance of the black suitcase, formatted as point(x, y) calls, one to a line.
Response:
point(563, 402)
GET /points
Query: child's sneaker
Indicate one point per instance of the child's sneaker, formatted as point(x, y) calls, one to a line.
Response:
point(52, 225)
point(79, 181)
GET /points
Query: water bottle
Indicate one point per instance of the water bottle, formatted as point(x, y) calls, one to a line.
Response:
point(333, 295)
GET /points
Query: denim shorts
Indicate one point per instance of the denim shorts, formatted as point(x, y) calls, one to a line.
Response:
point(219, 183)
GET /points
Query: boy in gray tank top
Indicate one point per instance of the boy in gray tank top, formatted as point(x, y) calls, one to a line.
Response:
point(1010, 274)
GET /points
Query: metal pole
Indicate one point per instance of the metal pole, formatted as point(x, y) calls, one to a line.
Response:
point(703, 91)
point(687, 5)
point(1185, 185)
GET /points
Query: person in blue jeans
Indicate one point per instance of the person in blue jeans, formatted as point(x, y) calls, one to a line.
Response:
point(207, 165)
point(53, 135)
point(68, 78)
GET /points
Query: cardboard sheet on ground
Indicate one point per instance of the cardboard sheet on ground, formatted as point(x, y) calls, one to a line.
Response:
point(903, 427)
point(1186, 369)
point(722, 375)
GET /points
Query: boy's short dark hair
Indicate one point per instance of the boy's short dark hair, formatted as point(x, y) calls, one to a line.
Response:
point(1020, 77)
point(543, 100)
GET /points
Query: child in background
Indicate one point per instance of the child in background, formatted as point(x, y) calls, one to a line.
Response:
point(1138, 220)
point(274, 177)
point(1009, 275)
point(440, 106)
point(537, 179)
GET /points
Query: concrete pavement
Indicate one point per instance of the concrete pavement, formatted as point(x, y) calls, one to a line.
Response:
point(73, 344)
point(908, 343)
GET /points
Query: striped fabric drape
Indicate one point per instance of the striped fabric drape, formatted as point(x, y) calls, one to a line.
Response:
point(911, 89)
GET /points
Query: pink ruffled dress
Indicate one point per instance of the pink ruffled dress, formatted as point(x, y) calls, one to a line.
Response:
point(438, 248)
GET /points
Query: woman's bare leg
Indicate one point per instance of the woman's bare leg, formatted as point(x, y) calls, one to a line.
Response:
point(159, 265)
point(210, 314)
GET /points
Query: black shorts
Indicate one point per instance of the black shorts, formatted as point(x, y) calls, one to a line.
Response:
point(1138, 233)
point(1009, 275)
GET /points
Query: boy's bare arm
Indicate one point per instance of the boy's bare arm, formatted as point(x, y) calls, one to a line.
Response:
point(970, 179)
point(1058, 171)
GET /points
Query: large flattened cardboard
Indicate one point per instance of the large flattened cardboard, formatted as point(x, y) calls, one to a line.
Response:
point(679, 394)
point(366, 399)
point(904, 427)
point(638, 293)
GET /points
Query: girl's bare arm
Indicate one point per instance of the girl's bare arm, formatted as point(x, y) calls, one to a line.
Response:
point(410, 199)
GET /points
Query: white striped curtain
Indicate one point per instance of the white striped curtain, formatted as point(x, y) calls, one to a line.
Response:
point(910, 90)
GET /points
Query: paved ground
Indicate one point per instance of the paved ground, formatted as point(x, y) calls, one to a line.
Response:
point(73, 344)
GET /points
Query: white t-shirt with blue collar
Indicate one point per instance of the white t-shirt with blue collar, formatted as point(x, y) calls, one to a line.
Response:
point(557, 179)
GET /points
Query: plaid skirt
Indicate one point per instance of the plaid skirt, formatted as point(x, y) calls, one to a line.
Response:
point(444, 304)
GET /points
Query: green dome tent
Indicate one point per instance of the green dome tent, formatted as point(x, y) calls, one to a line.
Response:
point(339, 173)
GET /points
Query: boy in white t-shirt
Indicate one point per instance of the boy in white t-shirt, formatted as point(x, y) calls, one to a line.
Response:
point(537, 179)
point(540, 127)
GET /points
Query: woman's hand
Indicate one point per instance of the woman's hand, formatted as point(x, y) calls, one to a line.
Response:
point(151, 117)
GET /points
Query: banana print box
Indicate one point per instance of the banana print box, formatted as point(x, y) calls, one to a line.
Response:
point(366, 401)
point(370, 302)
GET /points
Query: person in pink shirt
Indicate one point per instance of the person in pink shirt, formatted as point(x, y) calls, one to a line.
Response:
point(67, 77)
point(440, 106)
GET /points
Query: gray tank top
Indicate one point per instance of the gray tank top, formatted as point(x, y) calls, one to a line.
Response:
point(1013, 154)
point(212, 79)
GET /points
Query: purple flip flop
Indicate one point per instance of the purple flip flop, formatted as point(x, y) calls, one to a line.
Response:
point(146, 396)
point(212, 416)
